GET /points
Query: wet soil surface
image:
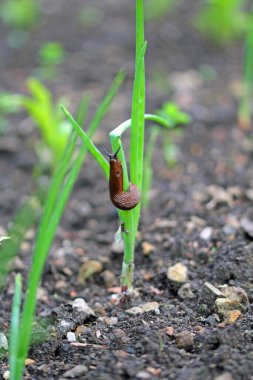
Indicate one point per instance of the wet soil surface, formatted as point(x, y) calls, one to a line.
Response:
point(193, 321)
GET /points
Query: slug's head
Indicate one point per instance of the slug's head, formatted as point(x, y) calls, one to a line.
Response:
point(112, 156)
point(115, 166)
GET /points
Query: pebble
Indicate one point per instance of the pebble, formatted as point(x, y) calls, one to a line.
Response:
point(29, 361)
point(185, 340)
point(88, 269)
point(119, 333)
point(235, 293)
point(71, 336)
point(111, 321)
point(143, 375)
point(147, 248)
point(81, 305)
point(219, 196)
point(230, 310)
point(169, 331)
point(209, 294)
point(76, 372)
point(80, 330)
point(99, 309)
point(249, 194)
point(6, 375)
point(247, 226)
point(229, 230)
point(224, 376)
point(178, 273)
point(109, 278)
point(3, 341)
point(185, 291)
point(149, 306)
point(206, 233)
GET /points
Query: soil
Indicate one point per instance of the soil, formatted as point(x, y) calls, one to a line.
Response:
point(194, 216)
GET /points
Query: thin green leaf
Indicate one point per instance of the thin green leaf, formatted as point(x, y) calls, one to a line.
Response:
point(15, 325)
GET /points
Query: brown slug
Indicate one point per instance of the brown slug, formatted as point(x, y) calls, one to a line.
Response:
point(124, 200)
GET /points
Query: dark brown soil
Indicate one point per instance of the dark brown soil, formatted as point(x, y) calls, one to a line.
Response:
point(213, 151)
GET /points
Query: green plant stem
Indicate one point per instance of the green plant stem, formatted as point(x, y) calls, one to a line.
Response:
point(88, 143)
point(126, 217)
point(14, 331)
point(62, 187)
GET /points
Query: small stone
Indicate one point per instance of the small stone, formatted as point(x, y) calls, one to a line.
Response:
point(169, 331)
point(42, 295)
point(6, 375)
point(88, 269)
point(80, 330)
point(206, 233)
point(109, 278)
point(111, 321)
point(82, 306)
point(185, 291)
point(76, 372)
point(185, 340)
point(178, 273)
point(99, 309)
point(224, 376)
point(247, 226)
point(228, 230)
point(249, 194)
point(3, 341)
point(149, 306)
point(119, 333)
point(219, 196)
point(29, 361)
point(233, 315)
point(143, 375)
point(235, 293)
point(147, 248)
point(154, 371)
point(71, 336)
point(209, 294)
point(230, 310)
point(61, 284)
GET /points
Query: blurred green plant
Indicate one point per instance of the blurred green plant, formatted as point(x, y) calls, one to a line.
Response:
point(47, 117)
point(55, 202)
point(49, 57)
point(51, 54)
point(174, 117)
point(246, 103)
point(157, 9)
point(19, 13)
point(222, 20)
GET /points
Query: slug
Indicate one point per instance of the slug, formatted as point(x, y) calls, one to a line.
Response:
point(124, 200)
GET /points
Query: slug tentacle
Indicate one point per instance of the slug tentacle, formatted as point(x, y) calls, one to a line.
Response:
point(124, 200)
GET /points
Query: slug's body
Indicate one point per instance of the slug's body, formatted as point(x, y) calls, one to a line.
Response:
point(124, 200)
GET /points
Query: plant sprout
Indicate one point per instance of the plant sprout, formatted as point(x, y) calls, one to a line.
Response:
point(19, 13)
point(57, 196)
point(222, 20)
point(128, 219)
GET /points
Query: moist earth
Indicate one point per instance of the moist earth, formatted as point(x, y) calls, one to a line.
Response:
point(199, 215)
